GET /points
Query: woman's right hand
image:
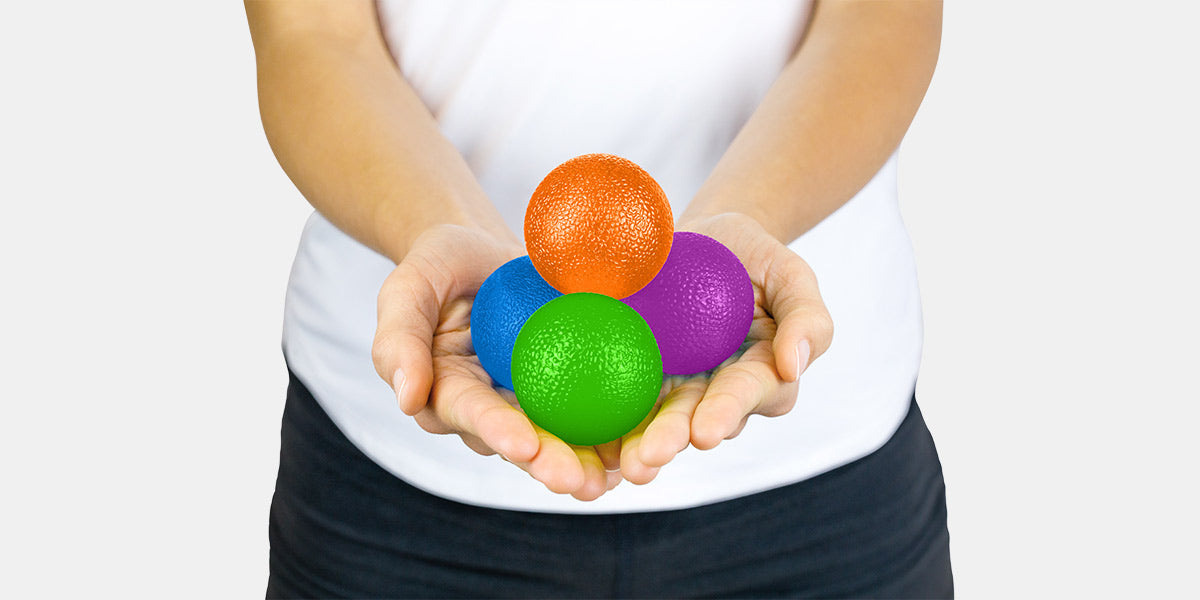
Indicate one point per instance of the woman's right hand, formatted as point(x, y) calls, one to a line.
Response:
point(423, 350)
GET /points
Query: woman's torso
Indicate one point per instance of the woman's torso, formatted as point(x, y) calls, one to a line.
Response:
point(521, 86)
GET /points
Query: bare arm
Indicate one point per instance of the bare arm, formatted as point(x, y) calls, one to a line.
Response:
point(360, 145)
point(351, 133)
point(833, 117)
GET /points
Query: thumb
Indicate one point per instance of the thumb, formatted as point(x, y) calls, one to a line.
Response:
point(803, 327)
point(443, 266)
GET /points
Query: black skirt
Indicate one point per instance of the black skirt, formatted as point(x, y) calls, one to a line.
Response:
point(341, 526)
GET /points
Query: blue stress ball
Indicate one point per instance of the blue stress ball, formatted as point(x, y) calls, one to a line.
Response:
point(501, 307)
point(699, 306)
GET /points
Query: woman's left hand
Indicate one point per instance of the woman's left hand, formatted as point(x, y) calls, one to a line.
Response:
point(791, 328)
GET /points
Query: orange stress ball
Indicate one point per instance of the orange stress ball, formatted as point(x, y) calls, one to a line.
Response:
point(598, 223)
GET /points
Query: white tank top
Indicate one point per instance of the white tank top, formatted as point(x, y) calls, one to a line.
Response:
point(521, 86)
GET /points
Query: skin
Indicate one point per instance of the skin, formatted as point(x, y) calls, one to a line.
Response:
point(385, 175)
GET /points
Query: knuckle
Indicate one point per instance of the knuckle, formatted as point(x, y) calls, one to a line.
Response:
point(742, 379)
point(383, 349)
point(476, 444)
point(491, 412)
point(399, 288)
point(780, 406)
point(395, 280)
point(823, 327)
point(456, 414)
point(693, 386)
point(738, 429)
point(461, 412)
point(750, 379)
point(430, 422)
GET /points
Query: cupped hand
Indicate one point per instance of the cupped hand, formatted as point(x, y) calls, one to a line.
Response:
point(791, 328)
point(423, 350)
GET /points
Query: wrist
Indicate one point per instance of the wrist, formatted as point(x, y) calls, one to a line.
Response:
point(399, 224)
point(700, 222)
point(457, 237)
point(740, 217)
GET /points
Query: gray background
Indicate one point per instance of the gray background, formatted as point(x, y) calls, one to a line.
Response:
point(1049, 184)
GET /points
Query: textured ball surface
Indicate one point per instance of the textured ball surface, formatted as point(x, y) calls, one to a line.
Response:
point(502, 305)
point(700, 305)
point(586, 368)
point(598, 223)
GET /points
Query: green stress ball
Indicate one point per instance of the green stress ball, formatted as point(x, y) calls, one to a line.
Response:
point(586, 368)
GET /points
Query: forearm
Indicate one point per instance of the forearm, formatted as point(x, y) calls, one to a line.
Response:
point(832, 118)
point(357, 141)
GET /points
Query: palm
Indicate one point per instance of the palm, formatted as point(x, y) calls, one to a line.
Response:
point(424, 328)
point(754, 353)
point(760, 378)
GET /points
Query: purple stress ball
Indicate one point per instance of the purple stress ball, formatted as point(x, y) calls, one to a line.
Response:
point(699, 306)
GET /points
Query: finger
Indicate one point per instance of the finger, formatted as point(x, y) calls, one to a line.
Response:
point(408, 308)
point(614, 479)
point(735, 392)
point(464, 403)
point(668, 434)
point(461, 402)
point(477, 445)
point(556, 465)
point(632, 467)
point(410, 301)
point(610, 455)
point(428, 420)
point(804, 329)
point(739, 428)
point(595, 478)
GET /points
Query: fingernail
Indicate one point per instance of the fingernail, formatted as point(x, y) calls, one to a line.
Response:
point(802, 353)
point(398, 381)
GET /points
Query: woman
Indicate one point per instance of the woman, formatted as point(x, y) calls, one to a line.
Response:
point(418, 129)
